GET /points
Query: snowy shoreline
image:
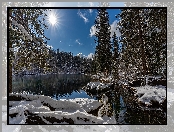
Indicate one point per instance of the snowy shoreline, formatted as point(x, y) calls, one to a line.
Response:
point(149, 94)
point(144, 96)
point(23, 109)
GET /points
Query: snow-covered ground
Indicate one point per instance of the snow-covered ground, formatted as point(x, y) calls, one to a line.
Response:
point(50, 111)
point(149, 94)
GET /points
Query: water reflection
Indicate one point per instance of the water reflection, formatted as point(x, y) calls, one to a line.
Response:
point(73, 95)
point(55, 85)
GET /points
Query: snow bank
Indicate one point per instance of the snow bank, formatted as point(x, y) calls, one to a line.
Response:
point(55, 104)
point(50, 111)
point(147, 94)
point(19, 108)
point(87, 104)
point(77, 117)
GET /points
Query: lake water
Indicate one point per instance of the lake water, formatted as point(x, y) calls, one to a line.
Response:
point(56, 86)
point(70, 87)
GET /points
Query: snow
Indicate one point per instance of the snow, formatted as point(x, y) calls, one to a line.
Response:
point(98, 85)
point(21, 28)
point(104, 99)
point(147, 79)
point(147, 94)
point(57, 104)
point(102, 77)
point(107, 79)
point(74, 116)
point(87, 104)
point(74, 109)
point(25, 34)
point(93, 84)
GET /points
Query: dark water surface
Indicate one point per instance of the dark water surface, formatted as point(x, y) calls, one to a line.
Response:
point(70, 86)
point(57, 86)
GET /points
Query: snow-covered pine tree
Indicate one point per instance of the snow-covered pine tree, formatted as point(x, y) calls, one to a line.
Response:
point(130, 58)
point(27, 42)
point(155, 39)
point(115, 62)
point(103, 48)
point(143, 35)
point(169, 15)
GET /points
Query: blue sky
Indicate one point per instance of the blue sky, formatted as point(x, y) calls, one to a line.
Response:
point(74, 31)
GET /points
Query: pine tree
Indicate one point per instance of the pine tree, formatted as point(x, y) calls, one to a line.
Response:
point(27, 42)
point(130, 57)
point(155, 39)
point(94, 65)
point(115, 59)
point(103, 48)
point(143, 35)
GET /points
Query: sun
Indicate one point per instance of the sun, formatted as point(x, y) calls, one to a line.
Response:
point(53, 19)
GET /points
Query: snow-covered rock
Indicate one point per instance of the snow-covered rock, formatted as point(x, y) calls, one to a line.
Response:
point(87, 104)
point(77, 117)
point(50, 111)
point(149, 94)
point(104, 99)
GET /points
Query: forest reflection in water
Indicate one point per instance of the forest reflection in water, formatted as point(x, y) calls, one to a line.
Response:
point(54, 85)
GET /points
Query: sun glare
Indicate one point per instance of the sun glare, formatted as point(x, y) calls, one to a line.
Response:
point(53, 19)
